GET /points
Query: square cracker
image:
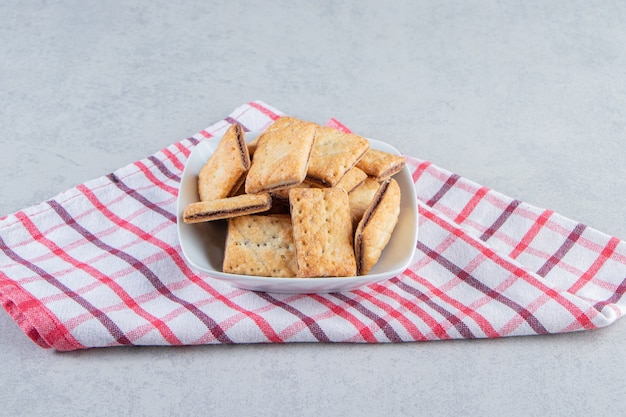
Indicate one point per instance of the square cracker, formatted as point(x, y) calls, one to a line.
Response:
point(224, 208)
point(380, 164)
point(281, 122)
point(334, 153)
point(374, 230)
point(225, 170)
point(322, 232)
point(281, 157)
point(260, 245)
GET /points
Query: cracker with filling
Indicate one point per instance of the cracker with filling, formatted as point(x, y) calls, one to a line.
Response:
point(380, 164)
point(224, 208)
point(260, 245)
point(334, 154)
point(322, 232)
point(225, 170)
point(374, 230)
point(281, 157)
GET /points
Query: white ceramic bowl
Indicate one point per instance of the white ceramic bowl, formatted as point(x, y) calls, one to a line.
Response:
point(203, 243)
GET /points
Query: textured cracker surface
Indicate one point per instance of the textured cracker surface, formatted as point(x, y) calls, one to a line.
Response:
point(281, 157)
point(322, 232)
point(284, 122)
point(260, 245)
point(333, 154)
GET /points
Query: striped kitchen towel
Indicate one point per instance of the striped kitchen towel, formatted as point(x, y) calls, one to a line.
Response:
point(100, 265)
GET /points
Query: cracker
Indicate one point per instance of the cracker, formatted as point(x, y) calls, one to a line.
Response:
point(281, 157)
point(380, 164)
point(260, 245)
point(352, 179)
point(361, 198)
point(283, 122)
point(224, 172)
point(374, 230)
point(225, 208)
point(322, 232)
point(334, 154)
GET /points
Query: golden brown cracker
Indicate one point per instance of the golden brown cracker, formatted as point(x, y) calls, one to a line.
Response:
point(225, 170)
point(375, 228)
point(380, 164)
point(281, 157)
point(322, 232)
point(334, 153)
point(260, 245)
point(228, 207)
point(283, 122)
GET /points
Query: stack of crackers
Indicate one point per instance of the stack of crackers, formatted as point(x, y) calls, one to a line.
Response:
point(301, 200)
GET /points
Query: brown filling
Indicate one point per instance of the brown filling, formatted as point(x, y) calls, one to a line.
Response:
point(358, 246)
point(391, 171)
point(219, 213)
point(281, 186)
point(243, 147)
point(317, 181)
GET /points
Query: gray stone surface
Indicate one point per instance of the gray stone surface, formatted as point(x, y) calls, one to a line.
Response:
point(528, 98)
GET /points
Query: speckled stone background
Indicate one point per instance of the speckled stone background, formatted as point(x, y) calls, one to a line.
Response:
point(528, 98)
